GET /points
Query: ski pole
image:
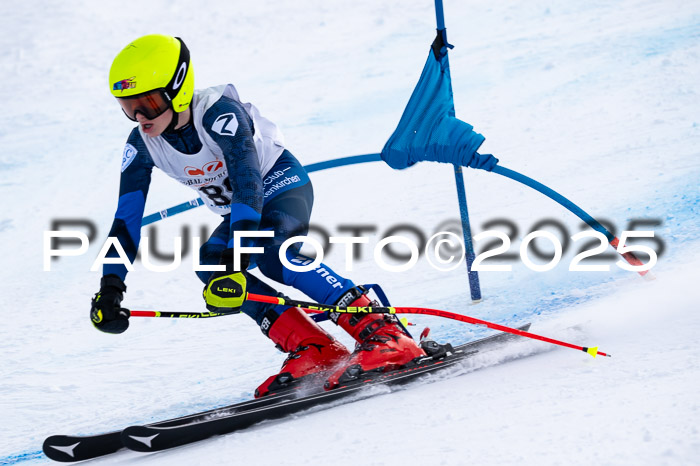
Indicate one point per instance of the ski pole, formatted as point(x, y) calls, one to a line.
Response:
point(179, 315)
point(315, 307)
point(318, 308)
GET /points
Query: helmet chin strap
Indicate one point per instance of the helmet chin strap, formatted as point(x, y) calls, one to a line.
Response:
point(173, 123)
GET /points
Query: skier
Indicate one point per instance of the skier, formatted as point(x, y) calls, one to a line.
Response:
point(236, 161)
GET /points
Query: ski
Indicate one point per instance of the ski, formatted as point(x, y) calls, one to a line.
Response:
point(72, 448)
point(199, 426)
point(155, 438)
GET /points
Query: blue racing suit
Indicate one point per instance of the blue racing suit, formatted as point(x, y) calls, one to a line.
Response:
point(279, 200)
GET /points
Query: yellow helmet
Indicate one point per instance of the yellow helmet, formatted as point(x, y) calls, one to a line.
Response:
point(153, 63)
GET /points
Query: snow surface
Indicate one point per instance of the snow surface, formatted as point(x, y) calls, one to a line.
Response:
point(598, 100)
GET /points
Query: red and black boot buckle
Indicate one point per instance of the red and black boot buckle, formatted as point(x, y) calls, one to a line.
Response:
point(383, 344)
point(311, 350)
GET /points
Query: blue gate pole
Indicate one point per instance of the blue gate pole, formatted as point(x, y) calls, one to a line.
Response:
point(439, 15)
point(474, 287)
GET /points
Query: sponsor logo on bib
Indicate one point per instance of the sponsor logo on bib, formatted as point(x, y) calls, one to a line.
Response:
point(208, 168)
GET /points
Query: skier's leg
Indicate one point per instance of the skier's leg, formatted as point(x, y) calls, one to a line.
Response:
point(288, 215)
point(310, 348)
point(209, 254)
point(384, 344)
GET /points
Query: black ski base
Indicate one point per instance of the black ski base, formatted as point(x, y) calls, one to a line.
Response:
point(298, 397)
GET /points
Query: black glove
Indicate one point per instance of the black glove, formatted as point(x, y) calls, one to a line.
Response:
point(106, 313)
point(226, 290)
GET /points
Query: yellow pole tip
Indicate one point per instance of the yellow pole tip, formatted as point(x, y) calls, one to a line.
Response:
point(593, 351)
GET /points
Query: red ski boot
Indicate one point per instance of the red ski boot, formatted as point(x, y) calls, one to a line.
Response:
point(310, 349)
point(382, 344)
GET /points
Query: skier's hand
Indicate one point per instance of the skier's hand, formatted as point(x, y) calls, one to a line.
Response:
point(106, 313)
point(226, 290)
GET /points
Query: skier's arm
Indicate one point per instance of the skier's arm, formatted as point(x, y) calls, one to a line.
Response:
point(133, 189)
point(106, 312)
point(232, 130)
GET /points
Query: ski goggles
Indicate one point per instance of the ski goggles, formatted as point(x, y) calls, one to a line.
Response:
point(150, 104)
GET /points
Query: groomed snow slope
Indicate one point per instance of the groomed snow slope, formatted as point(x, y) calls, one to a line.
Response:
point(598, 100)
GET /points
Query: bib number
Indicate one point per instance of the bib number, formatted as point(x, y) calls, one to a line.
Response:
point(217, 194)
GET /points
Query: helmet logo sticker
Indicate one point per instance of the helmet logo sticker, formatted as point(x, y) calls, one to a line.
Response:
point(225, 125)
point(180, 78)
point(125, 84)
